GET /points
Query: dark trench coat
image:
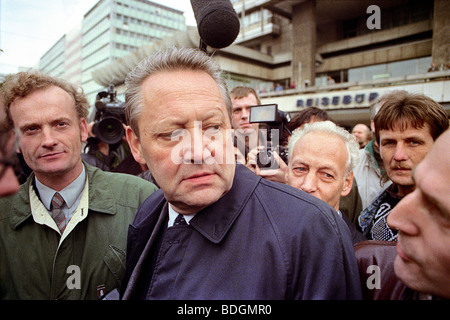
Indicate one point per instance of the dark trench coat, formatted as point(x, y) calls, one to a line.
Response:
point(261, 240)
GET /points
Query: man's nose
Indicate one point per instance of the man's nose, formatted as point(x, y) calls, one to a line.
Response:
point(401, 153)
point(404, 214)
point(194, 144)
point(192, 147)
point(309, 183)
point(245, 113)
point(48, 137)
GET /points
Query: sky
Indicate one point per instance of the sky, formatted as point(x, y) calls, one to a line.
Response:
point(28, 28)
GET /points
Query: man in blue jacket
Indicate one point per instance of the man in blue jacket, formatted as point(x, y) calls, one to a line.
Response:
point(215, 230)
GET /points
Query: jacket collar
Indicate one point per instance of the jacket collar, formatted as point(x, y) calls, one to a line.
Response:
point(101, 192)
point(214, 221)
point(101, 197)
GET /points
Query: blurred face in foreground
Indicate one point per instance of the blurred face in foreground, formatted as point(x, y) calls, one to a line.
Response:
point(318, 166)
point(8, 140)
point(185, 138)
point(423, 222)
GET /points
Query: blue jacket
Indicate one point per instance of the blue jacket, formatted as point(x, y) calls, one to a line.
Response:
point(261, 240)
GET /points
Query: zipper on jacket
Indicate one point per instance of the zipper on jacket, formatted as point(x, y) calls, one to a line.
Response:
point(58, 238)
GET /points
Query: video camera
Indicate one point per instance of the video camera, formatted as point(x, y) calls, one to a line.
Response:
point(274, 119)
point(109, 117)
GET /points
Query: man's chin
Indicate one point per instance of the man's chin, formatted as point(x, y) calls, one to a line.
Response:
point(248, 129)
point(53, 168)
point(402, 180)
point(197, 199)
point(193, 204)
point(408, 272)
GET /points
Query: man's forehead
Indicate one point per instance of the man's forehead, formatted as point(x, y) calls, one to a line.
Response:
point(359, 126)
point(43, 94)
point(173, 118)
point(437, 160)
point(433, 179)
point(194, 113)
point(179, 85)
point(327, 142)
point(328, 137)
point(402, 126)
point(250, 99)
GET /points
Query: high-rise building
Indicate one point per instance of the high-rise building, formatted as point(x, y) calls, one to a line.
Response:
point(52, 62)
point(110, 30)
point(336, 55)
point(73, 57)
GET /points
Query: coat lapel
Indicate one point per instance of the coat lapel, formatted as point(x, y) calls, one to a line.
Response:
point(214, 221)
point(134, 277)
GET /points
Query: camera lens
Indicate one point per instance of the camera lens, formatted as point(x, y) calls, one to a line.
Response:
point(264, 158)
point(109, 130)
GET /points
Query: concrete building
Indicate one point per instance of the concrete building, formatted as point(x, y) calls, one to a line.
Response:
point(52, 62)
point(110, 29)
point(73, 55)
point(337, 55)
point(63, 59)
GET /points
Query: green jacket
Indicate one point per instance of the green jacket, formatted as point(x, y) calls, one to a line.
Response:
point(36, 264)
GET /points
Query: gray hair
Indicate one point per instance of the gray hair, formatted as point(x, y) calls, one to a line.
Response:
point(331, 128)
point(170, 59)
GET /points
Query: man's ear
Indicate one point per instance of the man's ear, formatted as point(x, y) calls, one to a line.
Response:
point(83, 130)
point(347, 184)
point(135, 145)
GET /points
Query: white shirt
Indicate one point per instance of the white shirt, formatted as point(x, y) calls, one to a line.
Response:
point(41, 214)
point(173, 215)
point(71, 194)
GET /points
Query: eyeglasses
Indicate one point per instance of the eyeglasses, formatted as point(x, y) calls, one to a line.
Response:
point(9, 143)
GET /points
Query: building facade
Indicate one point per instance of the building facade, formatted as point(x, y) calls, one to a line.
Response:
point(337, 55)
point(110, 30)
point(52, 62)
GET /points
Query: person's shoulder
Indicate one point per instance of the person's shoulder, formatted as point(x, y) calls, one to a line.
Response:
point(20, 196)
point(149, 207)
point(6, 202)
point(124, 180)
point(15, 206)
point(276, 194)
point(292, 203)
point(284, 192)
point(154, 200)
point(129, 179)
point(294, 213)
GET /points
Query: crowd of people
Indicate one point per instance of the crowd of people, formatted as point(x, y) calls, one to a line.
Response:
point(209, 226)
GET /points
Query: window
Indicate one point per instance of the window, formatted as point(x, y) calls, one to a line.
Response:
point(392, 69)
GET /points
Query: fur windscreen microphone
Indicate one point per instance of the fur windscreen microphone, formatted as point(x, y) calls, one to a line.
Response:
point(217, 22)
